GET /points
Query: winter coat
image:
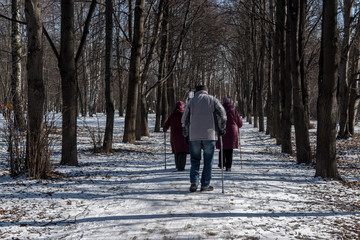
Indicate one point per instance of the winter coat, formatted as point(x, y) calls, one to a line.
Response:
point(177, 140)
point(202, 116)
point(233, 123)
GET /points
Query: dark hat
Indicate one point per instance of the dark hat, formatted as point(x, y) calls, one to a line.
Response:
point(200, 87)
point(179, 104)
point(228, 100)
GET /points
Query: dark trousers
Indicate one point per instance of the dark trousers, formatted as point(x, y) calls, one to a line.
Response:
point(228, 157)
point(180, 160)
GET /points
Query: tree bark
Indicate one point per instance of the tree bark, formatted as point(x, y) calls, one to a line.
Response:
point(354, 86)
point(142, 128)
point(344, 88)
point(16, 80)
point(286, 97)
point(36, 91)
point(110, 109)
point(255, 75)
point(161, 108)
point(120, 76)
point(69, 84)
point(134, 74)
point(303, 151)
point(269, 104)
point(327, 104)
point(278, 68)
point(261, 70)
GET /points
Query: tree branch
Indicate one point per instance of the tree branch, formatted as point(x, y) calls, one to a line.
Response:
point(86, 29)
point(52, 45)
point(184, 31)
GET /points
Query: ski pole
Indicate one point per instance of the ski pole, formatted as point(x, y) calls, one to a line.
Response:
point(165, 147)
point(240, 149)
point(222, 163)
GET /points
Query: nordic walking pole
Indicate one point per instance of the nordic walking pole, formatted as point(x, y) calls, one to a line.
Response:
point(240, 148)
point(222, 163)
point(165, 147)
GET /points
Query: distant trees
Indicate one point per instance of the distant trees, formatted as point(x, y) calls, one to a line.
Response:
point(288, 65)
point(145, 55)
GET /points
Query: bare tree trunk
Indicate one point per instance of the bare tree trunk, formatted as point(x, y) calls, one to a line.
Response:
point(354, 86)
point(261, 70)
point(36, 91)
point(162, 96)
point(353, 106)
point(159, 93)
point(303, 151)
point(134, 74)
point(327, 104)
point(277, 74)
point(69, 84)
point(120, 75)
point(110, 110)
point(303, 70)
point(286, 98)
point(344, 88)
point(171, 95)
point(269, 104)
point(255, 75)
point(16, 80)
point(142, 128)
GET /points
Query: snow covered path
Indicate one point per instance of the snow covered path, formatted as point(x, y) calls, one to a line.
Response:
point(129, 195)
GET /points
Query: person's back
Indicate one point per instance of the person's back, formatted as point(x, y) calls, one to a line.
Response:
point(230, 139)
point(179, 148)
point(203, 117)
point(202, 124)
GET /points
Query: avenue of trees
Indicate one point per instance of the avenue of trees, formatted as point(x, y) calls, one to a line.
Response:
point(286, 62)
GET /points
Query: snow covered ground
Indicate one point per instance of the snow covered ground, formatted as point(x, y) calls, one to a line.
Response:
point(130, 195)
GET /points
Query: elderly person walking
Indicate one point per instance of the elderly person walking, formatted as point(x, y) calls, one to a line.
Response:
point(230, 139)
point(178, 145)
point(204, 117)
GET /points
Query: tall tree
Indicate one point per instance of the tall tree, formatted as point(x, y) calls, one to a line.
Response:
point(255, 68)
point(303, 151)
point(344, 85)
point(16, 79)
point(134, 73)
point(286, 91)
point(261, 70)
point(354, 86)
point(327, 103)
point(142, 128)
point(110, 109)
point(36, 90)
point(161, 104)
point(67, 61)
point(278, 50)
point(69, 84)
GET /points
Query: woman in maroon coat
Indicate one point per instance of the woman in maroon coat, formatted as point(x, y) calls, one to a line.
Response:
point(178, 145)
point(230, 139)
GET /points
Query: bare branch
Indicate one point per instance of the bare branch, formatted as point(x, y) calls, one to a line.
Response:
point(86, 29)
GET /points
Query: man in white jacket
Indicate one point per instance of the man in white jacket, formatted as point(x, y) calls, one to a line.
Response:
point(204, 117)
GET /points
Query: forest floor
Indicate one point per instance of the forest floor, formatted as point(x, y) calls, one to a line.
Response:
point(129, 194)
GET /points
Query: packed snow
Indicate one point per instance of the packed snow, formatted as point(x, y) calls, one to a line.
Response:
point(129, 194)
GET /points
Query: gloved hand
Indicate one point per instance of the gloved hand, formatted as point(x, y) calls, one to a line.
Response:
point(222, 132)
point(187, 140)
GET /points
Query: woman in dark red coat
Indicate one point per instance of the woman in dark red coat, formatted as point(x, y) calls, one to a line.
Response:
point(178, 145)
point(231, 137)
